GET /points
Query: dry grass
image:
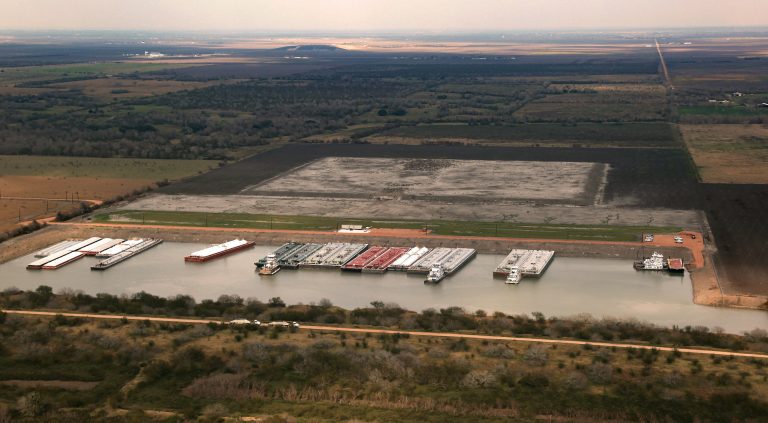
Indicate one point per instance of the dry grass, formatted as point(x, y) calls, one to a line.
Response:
point(736, 154)
point(10, 210)
point(71, 385)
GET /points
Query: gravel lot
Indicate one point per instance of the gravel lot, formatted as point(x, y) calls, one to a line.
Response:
point(441, 179)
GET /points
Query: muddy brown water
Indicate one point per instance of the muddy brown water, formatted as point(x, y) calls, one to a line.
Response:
point(571, 286)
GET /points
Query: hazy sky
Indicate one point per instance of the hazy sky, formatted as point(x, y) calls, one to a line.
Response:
point(377, 15)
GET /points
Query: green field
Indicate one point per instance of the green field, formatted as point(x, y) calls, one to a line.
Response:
point(437, 227)
point(90, 167)
point(607, 134)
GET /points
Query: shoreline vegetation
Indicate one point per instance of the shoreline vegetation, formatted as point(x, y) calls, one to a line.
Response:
point(141, 370)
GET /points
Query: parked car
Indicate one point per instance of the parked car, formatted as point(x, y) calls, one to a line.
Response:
point(678, 239)
point(648, 238)
point(256, 322)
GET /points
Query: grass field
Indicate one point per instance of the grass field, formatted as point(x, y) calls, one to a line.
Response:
point(729, 153)
point(91, 167)
point(437, 227)
point(626, 106)
point(117, 88)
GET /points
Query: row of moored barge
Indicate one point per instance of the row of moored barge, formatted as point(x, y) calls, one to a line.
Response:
point(69, 251)
point(365, 258)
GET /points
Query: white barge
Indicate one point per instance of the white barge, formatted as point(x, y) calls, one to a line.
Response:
point(220, 250)
point(334, 255)
point(408, 258)
point(531, 263)
point(61, 246)
point(131, 251)
point(449, 259)
point(99, 246)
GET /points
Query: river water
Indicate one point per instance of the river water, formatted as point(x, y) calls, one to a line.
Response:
point(571, 286)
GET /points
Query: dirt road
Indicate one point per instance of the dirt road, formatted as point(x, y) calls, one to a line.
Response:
point(411, 333)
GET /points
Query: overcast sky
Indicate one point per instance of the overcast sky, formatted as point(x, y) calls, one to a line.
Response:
point(377, 15)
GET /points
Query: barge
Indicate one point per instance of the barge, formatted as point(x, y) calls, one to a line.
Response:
point(58, 247)
point(220, 250)
point(450, 260)
point(297, 256)
point(124, 255)
point(381, 263)
point(408, 258)
point(38, 264)
point(119, 248)
point(530, 263)
point(285, 250)
point(675, 265)
point(99, 246)
point(64, 260)
point(358, 263)
point(84, 244)
point(334, 255)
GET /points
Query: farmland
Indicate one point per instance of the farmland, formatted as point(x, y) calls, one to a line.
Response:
point(637, 135)
point(34, 187)
point(731, 154)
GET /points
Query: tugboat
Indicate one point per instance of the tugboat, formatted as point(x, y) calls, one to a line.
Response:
point(436, 274)
point(514, 276)
point(655, 262)
point(270, 266)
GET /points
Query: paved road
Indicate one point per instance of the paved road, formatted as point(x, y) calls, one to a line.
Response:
point(411, 333)
point(664, 66)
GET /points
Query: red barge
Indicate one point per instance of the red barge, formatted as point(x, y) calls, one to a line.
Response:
point(220, 250)
point(381, 263)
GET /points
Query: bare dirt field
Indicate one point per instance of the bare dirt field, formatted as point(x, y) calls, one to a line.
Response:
point(13, 209)
point(63, 187)
point(735, 154)
point(491, 211)
point(440, 179)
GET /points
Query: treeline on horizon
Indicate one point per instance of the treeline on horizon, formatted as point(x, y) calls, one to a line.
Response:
point(449, 319)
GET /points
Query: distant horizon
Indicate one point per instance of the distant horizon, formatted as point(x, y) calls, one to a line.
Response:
point(387, 32)
point(367, 16)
